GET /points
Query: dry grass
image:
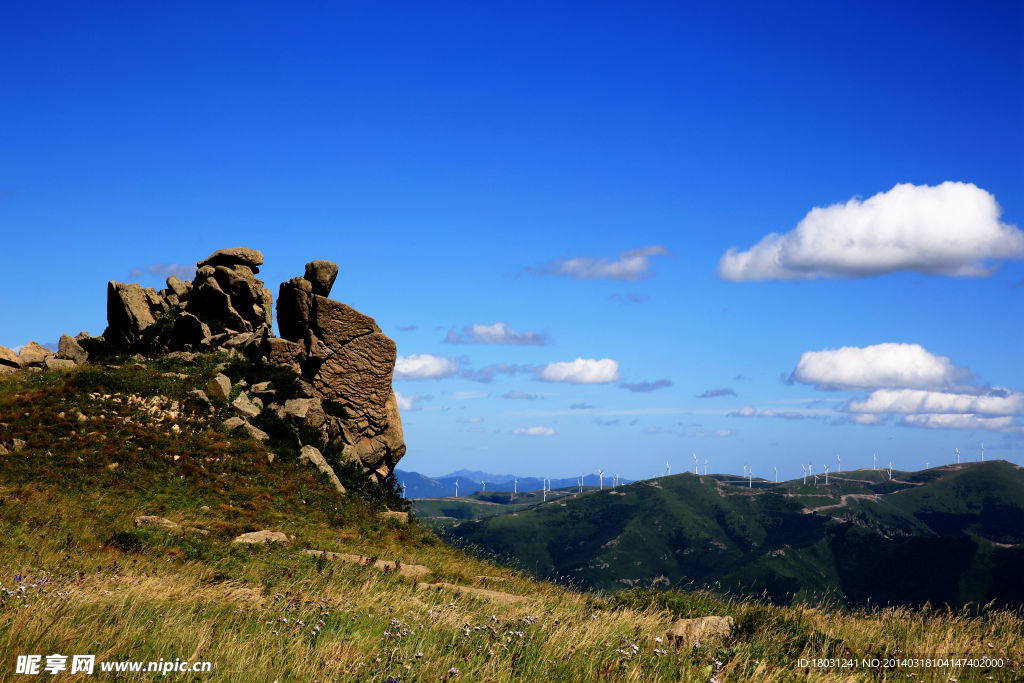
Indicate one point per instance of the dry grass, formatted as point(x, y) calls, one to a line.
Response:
point(78, 578)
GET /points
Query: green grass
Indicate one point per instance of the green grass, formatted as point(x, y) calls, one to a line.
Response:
point(79, 577)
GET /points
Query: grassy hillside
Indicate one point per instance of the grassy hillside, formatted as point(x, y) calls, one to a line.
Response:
point(950, 535)
point(105, 445)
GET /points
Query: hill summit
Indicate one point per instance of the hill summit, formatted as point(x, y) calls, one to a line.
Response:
point(343, 361)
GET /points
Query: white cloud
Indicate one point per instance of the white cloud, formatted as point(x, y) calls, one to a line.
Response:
point(424, 366)
point(630, 265)
point(887, 365)
point(581, 371)
point(994, 424)
point(751, 411)
point(918, 401)
point(949, 229)
point(410, 401)
point(470, 420)
point(498, 333)
point(534, 431)
point(864, 419)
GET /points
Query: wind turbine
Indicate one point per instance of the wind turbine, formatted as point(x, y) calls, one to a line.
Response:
point(957, 455)
point(744, 471)
point(874, 461)
point(515, 486)
point(484, 484)
point(456, 488)
point(750, 480)
point(581, 484)
point(600, 474)
point(695, 464)
point(983, 451)
point(668, 468)
point(839, 463)
point(804, 468)
point(705, 466)
point(890, 470)
point(826, 475)
point(926, 464)
point(776, 474)
point(405, 491)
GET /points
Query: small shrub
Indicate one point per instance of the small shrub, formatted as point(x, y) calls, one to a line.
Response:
point(284, 381)
point(335, 409)
point(284, 437)
point(128, 541)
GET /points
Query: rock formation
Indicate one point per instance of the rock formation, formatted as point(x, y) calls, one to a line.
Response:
point(340, 352)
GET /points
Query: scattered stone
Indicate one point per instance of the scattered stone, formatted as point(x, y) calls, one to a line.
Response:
point(154, 521)
point(701, 628)
point(497, 596)
point(54, 363)
point(18, 445)
point(261, 387)
point(270, 457)
point(297, 408)
point(385, 565)
point(81, 417)
point(201, 396)
point(69, 348)
point(255, 432)
point(264, 536)
point(113, 466)
point(219, 387)
point(3, 450)
point(34, 353)
point(312, 455)
point(401, 517)
point(244, 407)
point(182, 356)
point(233, 423)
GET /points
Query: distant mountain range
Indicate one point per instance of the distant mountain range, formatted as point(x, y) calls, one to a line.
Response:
point(948, 535)
point(417, 485)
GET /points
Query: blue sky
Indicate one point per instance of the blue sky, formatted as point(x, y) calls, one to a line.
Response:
point(576, 172)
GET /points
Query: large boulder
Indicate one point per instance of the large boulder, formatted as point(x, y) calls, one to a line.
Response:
point(35, 354)
point(9, 358)
point(321, 275)
point(237, 256)
point(128, 314)
point(68, 348)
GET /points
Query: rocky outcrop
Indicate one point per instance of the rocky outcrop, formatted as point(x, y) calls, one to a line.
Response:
point(224, 301)
point(347, 362)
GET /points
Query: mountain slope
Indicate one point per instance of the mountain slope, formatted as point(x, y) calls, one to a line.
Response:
point(938, 536)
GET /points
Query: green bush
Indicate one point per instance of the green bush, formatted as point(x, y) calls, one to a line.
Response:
point(284, 437)
point(282, 380)
point(334, 409)
point(128, 541)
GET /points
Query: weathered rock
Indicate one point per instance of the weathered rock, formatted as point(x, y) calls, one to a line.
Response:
point(3, 450)
point(219, 388)
point(261, 387)
point(337, 324)
point(313, 456)
point(182, 356)
point(264, 536)
point(34, 354)
point(294, 304)
point(233, 423)
point(179, 288)
point(54, 363)
point(321, 275)
point(701, 628)
point(128, 314)
point(9, 358)
point(18, 445)
point(69, 348)
point(255, 432)
point(358, 375)
point(190, 331)
point(244, 407)
point(240, 256)
point(154, 521)
point(285, 353)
